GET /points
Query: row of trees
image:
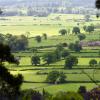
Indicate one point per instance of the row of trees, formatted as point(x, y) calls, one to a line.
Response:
point(70, 60)
point(58, 54)
point(51, 57)
point(76, 30)
point(16, 43)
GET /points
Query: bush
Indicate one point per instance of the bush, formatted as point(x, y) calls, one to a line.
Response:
point(31, 95)
point(67, 96)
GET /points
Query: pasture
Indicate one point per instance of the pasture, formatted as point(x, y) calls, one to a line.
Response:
point(18, 25)
point(35, 76)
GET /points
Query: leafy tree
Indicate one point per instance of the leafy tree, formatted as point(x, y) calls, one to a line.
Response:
point(38, 39)
point(62, 78)
point(1, 11)
point(63, 31)
point(92, 62)
point(65, 53)
point(35, 60)
point(76, 30)
point(58, 51)
point(9, 84)
point(56, 77)
point(27, 34)
point(52, 77)
point(5, 54)
point(81, 36)
point(45, 36)
point(19, 42)
point(49, 57)
point(82, 90)
point(90, 28)
point(71, 61)
point(2, 38)
point(75, 47)
point(60, 47)
point(84, 27)
point(71, 46)
point(57, 54)
point(98, 4)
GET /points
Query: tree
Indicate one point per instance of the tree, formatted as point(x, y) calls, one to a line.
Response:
point(27, 34)
point(49, 57)
point(75, 47)
point(81, 36)
point(35, 60)
point(1, 11)
point(82, 90)
point(62, 77)
point(63, 31)
point(5, 54)
point(58, 51)
point(38, 39)
point(57, 54)
point(45, 36)
point(19, 42)
point(71, 46)
point(60, 47)
point(2, 38)
point(98, 4)
point(92, 63)
point(71, 61)
point(84, 27)
point(76, 30)
point(90, 28)
point(52, 77)
point(55, 77)
point(65, 53)
point(9, 84)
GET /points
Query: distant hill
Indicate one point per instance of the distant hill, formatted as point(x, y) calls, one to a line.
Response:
point(83, 3)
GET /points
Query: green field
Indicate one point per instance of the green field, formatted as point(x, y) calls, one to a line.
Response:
point(76, 75)
point(34, 76)
point(39, 25)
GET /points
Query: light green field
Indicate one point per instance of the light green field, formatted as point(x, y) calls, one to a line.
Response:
point(39, 25)
point(54, 40)
point(73, 75)
point(50, 25)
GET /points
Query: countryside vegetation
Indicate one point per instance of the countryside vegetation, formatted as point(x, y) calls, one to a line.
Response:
point(52, 55)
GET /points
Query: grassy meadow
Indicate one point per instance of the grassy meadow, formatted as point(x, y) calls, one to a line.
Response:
point(38, 25)
point(34, 76)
